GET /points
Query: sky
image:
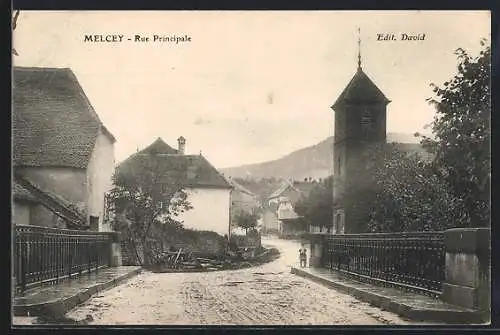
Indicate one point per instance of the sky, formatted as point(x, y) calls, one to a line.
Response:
point(250, 86)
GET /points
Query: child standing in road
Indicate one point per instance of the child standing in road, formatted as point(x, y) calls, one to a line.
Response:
point(303, 257)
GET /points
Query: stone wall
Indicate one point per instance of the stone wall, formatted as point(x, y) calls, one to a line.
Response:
point(201, 243)
point(24, 213)
point(468, 268)
point(99, 177)
point(243, 241)
point(21, 213)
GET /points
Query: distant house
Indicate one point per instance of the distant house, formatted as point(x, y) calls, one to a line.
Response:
point(209, 193)
point(63, 155)
point(279, 214)
point(242, 200)
point(287, 191)
point(288, 219)
point(414, 149)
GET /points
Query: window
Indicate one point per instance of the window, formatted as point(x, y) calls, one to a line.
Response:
point(366, 122)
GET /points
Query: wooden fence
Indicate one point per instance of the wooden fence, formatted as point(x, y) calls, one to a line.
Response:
point(414, 261)
point(48, 255)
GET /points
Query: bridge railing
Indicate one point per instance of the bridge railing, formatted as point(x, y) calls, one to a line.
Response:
point(415, 261)
point(47, 255)
point(319, 230)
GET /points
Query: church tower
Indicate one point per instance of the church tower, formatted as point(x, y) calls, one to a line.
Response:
point(360, 121)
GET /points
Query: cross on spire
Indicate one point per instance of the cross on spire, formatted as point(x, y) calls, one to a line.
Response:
point(359, 49)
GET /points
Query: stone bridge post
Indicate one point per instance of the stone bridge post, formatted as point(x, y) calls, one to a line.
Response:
point(115, 249)
point(468, 268)
point(317, 243)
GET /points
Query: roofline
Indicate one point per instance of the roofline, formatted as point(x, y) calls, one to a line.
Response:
point(48, 166)
point(218, 172)
point(77, 218)
point(272, 196)
point(29, 198)
point(38, 68)
point(108, 133)
point(220, 187)
point(17, 198)
point(227, 185)
point(105, 130)
point(239, 187)
point(246, 192)
point(290, 219)
point(339, 102)
point(351, 102)
point(81, 91)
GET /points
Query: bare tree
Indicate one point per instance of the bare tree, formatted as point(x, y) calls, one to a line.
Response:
point(146, 200)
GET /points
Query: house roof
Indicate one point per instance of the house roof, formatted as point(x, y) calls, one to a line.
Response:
point(25, 189)
point(21, 193)
point(414, 148)
point(284, 186)
point(305, 188)
point(239, 187)
point(159, 147)
point(54, 124)
point(287, 213)
point(193, 170)
point(361, 89)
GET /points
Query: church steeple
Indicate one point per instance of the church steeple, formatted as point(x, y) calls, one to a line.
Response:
point(361, 88)
point(359, 49)
point(360, 122)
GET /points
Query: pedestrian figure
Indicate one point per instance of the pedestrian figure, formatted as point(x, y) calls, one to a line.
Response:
point(303, 257)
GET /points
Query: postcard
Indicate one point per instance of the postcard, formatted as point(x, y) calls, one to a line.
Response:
point(260, 168)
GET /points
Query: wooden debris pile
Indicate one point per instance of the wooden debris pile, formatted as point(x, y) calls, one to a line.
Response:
point(185, 261)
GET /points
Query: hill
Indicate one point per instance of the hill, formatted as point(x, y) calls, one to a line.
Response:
point(311, 162)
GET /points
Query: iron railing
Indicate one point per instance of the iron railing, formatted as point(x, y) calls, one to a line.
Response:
point(48, 255)
point(319, 230)
point(414, 261)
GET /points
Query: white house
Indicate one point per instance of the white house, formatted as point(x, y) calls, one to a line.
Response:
point(209, 193)
point(242, 200)
point(63, 156)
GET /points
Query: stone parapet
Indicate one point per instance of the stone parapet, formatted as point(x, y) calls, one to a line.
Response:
point(468, 268)
point(317, 244)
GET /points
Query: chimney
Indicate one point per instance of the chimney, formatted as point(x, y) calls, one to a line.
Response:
point(181, 145)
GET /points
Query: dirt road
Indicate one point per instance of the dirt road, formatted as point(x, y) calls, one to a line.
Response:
point(264, 295)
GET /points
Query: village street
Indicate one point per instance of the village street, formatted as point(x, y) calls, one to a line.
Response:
point(264, 295)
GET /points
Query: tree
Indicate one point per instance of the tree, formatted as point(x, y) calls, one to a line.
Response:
point(316, 209)
point(407, 194)
point(146, 201)
point(246, 220)
point(462, 133)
